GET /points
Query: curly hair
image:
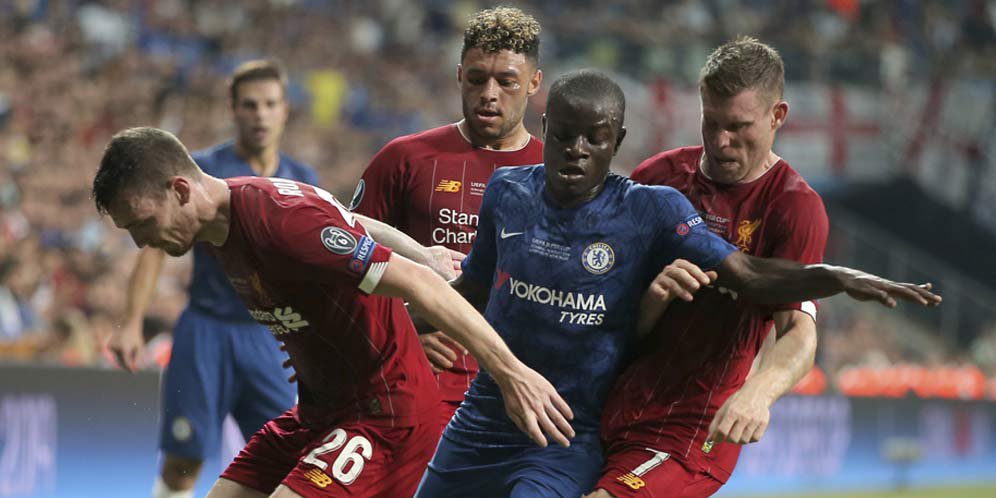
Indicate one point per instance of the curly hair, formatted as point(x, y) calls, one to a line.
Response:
point(503, 28)
point(742, 64)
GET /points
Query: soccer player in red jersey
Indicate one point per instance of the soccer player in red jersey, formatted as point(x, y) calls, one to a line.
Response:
point(367, 419)
point(677, 418)
point(430, 184)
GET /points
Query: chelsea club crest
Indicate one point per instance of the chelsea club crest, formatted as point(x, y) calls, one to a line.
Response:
point(598, 258)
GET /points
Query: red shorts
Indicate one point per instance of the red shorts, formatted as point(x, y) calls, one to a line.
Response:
point(350, 459)
point(446, 411)
point(638, 472)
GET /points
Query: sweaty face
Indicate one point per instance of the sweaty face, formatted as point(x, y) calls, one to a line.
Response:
point(260, 113)
point(580, 137)
point(738, 133)
point(494, 88)
point(155, 221)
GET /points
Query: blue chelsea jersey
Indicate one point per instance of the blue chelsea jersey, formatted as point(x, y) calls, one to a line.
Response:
point(565, 287)
point(210, 291)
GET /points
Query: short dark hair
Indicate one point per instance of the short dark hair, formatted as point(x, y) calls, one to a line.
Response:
point(589, 85)
point(743, 64)
point(140, 160)
point(255, 70)
point(503, 28)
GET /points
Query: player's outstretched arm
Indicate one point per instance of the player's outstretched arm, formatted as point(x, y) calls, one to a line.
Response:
point(126, 341)
point(679, 280)
point(775, 281)
point(444, 261)
point(744, 417)
point(530, 400)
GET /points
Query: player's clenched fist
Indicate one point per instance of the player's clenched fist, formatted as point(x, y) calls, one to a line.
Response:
point(535, 406)
point(680, 279)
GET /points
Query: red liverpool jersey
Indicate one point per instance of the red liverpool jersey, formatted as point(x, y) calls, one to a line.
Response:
point(430, 185)
point(701, 352)
point(305, 268)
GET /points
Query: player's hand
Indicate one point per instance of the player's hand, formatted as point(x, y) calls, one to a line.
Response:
point(742, 419)
point(680, 279)
point(866, 287)
point(446, 261)
point(441, 350)
point(127, 343)
point(535, 407)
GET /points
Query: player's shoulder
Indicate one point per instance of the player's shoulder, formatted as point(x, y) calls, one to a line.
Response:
point(424, 143)
point(300, 169)
point(523, 178)
point(791, 188)
point(665, 167)
point(266, 192)
point(214, 157)
point(639, 193)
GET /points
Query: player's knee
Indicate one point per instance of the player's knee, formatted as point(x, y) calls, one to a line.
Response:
point(179, 473)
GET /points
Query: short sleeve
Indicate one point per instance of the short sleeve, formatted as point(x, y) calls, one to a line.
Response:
point(479, 265)
point(798, 225)
point(681, 232)
point(318, 238)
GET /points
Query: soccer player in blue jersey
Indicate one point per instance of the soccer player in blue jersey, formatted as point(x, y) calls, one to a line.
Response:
point(562, 255)
point(222, 361)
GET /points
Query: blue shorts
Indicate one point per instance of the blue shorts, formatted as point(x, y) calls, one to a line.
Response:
point(459, 470)
point(219, 367)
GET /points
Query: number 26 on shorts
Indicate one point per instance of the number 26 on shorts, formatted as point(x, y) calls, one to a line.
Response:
point(348, 465)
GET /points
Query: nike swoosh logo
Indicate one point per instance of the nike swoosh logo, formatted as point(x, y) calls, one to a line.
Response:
point(505, 235)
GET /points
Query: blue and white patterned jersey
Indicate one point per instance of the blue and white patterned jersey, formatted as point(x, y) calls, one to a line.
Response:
point(566, 286)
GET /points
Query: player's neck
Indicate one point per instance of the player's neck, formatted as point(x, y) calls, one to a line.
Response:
point(264, 162)
point(516, 140)
point(215, 211)
point(770, 160)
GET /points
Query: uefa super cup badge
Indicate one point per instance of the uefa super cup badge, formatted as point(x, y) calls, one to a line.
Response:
point(598, 258)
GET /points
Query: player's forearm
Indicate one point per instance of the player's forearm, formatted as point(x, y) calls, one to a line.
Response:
point(787, 362)
point(439, 304)
point(397, 240)
point(142, 282)
point(651, 309)
point(777, 281)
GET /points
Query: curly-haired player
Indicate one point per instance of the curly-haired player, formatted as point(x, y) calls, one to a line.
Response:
point(430, 184)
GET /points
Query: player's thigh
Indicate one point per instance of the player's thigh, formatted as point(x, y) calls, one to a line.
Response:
point(194, 394)
point(556, 471)
point(224, 488)
point(459, 470)
point(364, 461)
point(263, 391)
point(648, 473)
point(271, 454)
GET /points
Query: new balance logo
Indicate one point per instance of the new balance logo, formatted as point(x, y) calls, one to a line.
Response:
point(631, 480)
point(448, 186)
point(289, 318)
point(505, 235)
point(318, 477)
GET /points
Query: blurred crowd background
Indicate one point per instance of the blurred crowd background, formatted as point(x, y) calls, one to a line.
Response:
point(74, 72)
